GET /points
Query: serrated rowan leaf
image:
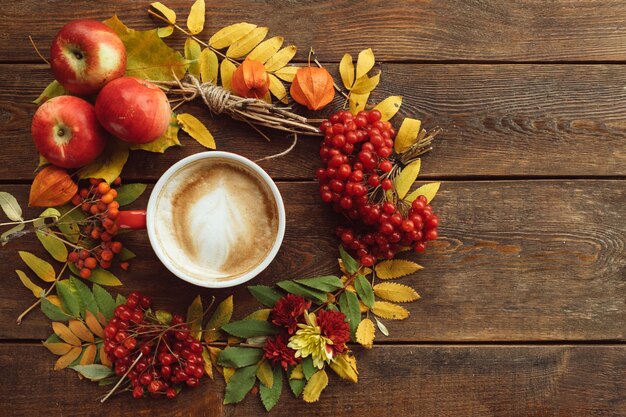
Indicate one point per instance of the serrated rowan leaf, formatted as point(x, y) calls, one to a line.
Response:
point(266, 49)
point(280, 58)
point(41, 268)
point(365, 62)
point(265, 374)
point(357, 102)
point(395, 268)
point(346, 70)
point(229, 34)
point(427, 190)
point(271, 395)
point(315, 386)
point(209, 67)
point(345, 367)
point(390, 311)
point(93, 324)
point(407, 177)
point(227, 69)
point(65, 360)
point(65, 333)
point(389, 107)
point(34, 288)
point(407, 134)
point(58, 348)
point(398, 293)
point(240, 383)
point(195, 20)
point(365, 84)
point(164, 11)
point(89, 355)
point(192, 54)
point(220, 317)
point(195, 312)
point(365, 333)
point(80, 330)
point(247, 43)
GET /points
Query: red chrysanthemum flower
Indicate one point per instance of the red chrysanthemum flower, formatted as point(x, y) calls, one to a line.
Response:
point(288, 312)
point(277, 352)
point(333, 326)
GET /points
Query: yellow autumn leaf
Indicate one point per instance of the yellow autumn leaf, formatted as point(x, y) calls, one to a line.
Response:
point(264, 51)
point(345, 367)
point(247, 43)
point(407, 177)
point(196, 130)
point(41, 268)
point(315, 386)
point(192, 54)
point(93, 324)
point(365, 84)
point(265, 374)
point(65, 333)
point(80, 330)
point(407, 134)
point(195, 312)
point(208, 363)
point(286, 73)
point(230, 34)
point(34, 288)
point(389, 107)
point(396, 268)
point(104, 358)
point(346, 70)
point(165, 31)
point(267, 97)
point(280, 58)
point(358, 102)
point(109, 164)
point(209, 67)
point(427, 190)
point(297, 372)
point(278, 89)
point(365, 62)
point(89, 355)
point(262, 314)
point(65, 360)
point(58, 348)
point(227, 69)
point(392, 291)
point(362, 307)
point(390, 311)
point(165, 11)
point(228, 373)
point(55, 300)
point(195, 20)
point(365, 333)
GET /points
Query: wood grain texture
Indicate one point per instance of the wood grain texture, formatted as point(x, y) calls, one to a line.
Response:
point(419, 381)
point(525, 30)
point(516, 260)
point(499, 120)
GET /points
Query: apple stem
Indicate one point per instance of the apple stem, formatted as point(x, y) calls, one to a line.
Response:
point(32, 42)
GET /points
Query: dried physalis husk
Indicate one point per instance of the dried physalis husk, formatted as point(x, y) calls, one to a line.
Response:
point(52, 187)
point(312, 87)
point(251, 80)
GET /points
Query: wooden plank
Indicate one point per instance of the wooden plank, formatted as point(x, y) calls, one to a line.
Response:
point(399, 380)
point(517, 260)
point(499, 120)
point(525, 30)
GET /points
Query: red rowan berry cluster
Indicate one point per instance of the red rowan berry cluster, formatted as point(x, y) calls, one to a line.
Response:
point(170, 356)
point(359, 169)
point(97, 200)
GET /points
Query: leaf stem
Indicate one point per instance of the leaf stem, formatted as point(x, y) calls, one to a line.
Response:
point(32, 42)
point(130, 368)
point(36, 303)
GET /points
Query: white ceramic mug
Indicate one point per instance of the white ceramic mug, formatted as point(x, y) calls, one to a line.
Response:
point(139, 219)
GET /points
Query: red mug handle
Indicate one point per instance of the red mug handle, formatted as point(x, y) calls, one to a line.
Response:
point(131, 219)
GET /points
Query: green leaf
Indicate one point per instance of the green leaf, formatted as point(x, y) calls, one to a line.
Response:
point(94, 372)
point(192, 54)
point(41, 268)
point(53, 312)
point(308, 368)
point(108, 165)
point(349, 305)
point(238, 357)
point(120, 299)
point(128, 193)
point(167, 140)
point(85, 296)
point(309, 293)
point(69, 222)
point(10, 206)
point(264, 294)
point(364, 290)
point(68, 298)
point(349, 262)
point(297, 386)
point(270, 396)
point(240, 384)
point(54, 89)
point(105, 301)
point(327, 283)
point(104, 277)
point(163, 316)
point(250, 328)
point(147, 56)
point(195, 312)
point(126, 254)
point(220, 317)
point(54, 246)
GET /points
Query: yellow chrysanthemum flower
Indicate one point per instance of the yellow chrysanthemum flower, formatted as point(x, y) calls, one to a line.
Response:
point(308, 340)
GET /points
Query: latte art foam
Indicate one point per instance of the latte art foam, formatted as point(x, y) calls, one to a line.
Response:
point(215, 220)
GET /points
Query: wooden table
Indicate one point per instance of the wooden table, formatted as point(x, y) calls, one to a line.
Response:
point(523, 297)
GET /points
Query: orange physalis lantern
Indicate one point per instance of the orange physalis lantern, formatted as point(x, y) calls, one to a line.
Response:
point(312, 87)
point(251, 79)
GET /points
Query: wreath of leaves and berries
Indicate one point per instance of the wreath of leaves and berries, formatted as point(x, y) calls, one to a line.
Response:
point(308, 326)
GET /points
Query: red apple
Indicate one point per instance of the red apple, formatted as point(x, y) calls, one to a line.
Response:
point(133, 110)
point(66, 132)
point(85, 55)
